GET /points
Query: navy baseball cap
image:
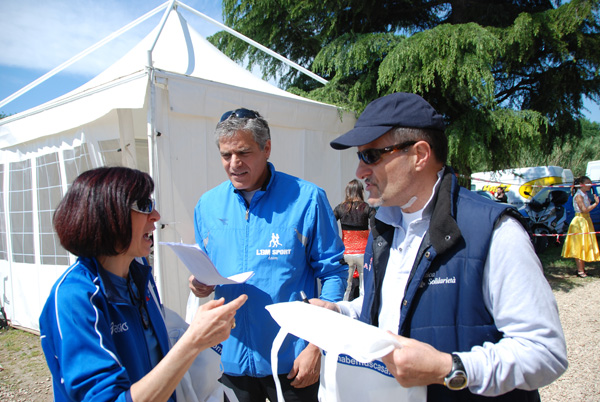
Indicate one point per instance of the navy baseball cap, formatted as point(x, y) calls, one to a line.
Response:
point(400, 109)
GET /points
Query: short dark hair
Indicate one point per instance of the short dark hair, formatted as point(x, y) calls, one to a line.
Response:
point(436, 139)
point(94, 217)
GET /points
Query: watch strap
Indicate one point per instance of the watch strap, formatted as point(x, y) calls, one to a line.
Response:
point(457, 377)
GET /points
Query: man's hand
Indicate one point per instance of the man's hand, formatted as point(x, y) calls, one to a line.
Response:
point(325, 304)
point(307, 367)
point(417, 363)
point(199, 289)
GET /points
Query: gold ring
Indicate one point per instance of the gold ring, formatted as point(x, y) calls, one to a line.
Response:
point(233, 324)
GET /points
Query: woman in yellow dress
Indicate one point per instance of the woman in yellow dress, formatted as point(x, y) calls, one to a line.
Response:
point(582, 246)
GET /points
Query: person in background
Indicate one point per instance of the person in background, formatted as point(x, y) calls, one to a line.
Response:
point(501, 195)
point(455, 276)
point(283, 229)
point(102, 330)
point(354, 215)
point(581, 242)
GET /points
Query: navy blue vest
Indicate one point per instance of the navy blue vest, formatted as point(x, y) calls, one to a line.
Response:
point(443, 304)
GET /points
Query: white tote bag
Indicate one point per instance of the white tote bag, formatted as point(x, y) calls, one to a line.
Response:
point(350, 370)
point(201, 382)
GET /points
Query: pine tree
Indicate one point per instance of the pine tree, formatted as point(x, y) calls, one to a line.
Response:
point(508, 75)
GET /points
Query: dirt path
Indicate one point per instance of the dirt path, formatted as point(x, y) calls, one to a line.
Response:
point(24, 375)
point(579, 308)
point(26, 378)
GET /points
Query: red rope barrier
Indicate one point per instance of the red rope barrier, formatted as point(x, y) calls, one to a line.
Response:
point(561, 234)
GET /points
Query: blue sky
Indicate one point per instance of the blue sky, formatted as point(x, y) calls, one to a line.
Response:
point(38, 35)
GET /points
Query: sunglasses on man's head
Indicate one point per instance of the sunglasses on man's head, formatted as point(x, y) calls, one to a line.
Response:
point(239, 114)
point(144, 206)
point(373, 155)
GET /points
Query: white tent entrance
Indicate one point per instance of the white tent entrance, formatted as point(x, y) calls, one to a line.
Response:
point(159, 119)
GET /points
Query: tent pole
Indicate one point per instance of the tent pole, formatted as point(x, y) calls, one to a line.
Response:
point(153, 152)
point(153, 171)
point(78, 57)
point(256, 44)
point(161, 25)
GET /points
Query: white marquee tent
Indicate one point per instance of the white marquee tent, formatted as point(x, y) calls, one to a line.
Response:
point(159, 118)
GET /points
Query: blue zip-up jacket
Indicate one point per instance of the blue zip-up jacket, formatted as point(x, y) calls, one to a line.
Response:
point(289, 237)
point(443, 303)
point(93, 339)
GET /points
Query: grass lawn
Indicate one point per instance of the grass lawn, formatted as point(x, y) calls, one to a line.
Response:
point(561, 273)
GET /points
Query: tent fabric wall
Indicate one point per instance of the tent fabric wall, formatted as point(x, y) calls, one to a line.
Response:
point(26, 284)
point(184, 109)
point(300, 136)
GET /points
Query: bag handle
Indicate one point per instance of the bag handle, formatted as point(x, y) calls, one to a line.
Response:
point(331, 359)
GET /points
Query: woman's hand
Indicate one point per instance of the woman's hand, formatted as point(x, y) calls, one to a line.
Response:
point(211, 325)
point(199, 289)
point(214, 321)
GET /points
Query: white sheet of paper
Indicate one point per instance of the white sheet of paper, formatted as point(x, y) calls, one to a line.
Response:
point(198, 263)
point(328, 329)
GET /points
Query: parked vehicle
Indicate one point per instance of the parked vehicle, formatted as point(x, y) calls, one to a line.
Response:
point(520, 184)
point(486, 194)
point(593, 170)
point(546, 215)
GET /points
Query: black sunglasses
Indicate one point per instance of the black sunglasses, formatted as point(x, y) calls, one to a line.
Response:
point(240, 114)
point(144, 206)
point(373, 155)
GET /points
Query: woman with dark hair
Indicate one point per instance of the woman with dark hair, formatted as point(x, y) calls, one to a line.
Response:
point(354, 214)
point(501, 194)
point(581, 242)
point(102, 328)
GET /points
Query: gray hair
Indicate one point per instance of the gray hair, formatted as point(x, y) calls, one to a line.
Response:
point(257, 126)
point(437, 140)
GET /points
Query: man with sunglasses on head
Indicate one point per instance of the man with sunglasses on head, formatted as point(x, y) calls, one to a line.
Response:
point(454, 274)
point(283, 229)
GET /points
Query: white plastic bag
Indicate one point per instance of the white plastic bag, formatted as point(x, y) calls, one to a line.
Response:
point(349, 369)
point(201, 382)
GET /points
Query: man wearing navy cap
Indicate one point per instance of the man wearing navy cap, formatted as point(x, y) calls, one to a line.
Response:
point(454, 274)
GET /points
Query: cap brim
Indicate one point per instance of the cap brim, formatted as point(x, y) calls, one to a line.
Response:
point(359, 136)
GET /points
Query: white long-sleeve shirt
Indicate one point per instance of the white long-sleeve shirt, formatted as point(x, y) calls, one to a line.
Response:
point(532, 352)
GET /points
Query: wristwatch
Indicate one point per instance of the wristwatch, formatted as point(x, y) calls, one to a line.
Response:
point(457, 377)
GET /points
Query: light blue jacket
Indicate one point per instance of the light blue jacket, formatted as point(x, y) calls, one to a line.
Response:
point(289, 237)
point(93, 339)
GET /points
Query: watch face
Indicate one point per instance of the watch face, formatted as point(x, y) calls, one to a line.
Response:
point(457, 381)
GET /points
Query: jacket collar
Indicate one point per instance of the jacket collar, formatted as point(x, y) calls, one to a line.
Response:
point(443, 228)
point(138, 270)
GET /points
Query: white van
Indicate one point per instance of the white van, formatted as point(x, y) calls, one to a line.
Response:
point(520, 184)
point(593, 170)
